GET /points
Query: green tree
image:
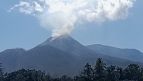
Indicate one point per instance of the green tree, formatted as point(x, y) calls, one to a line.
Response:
point(120, 73)
point(87, 74)
point(1, 73)
point(112, 74)
point(141, 77)
point(132, 72)
point(66, 78)
point(27, 75)
point(99, 70)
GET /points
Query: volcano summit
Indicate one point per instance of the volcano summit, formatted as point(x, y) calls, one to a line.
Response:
point(61, 55)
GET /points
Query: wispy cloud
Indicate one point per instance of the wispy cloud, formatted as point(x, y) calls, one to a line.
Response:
point(62, 15)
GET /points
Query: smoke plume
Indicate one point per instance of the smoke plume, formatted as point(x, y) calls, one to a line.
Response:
point(62, 15)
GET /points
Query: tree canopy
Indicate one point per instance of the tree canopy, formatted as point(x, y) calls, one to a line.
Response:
point(98, 72)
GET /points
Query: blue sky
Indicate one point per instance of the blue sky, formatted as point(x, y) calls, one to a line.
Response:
point(23, 31)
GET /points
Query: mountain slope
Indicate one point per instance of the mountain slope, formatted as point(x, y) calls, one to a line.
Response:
point(69, 45)
point(62, 55)
point(49, 59)
point(130, 54)
point(66, 43)
point(10, 58)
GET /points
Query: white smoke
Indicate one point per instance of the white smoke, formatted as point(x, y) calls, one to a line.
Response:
point(62, 15)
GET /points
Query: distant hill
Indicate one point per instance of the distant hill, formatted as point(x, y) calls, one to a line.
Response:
point(61, 55)
point(130, 54)
point(10, 58)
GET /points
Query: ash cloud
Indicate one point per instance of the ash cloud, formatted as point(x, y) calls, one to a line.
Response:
point(61, 15)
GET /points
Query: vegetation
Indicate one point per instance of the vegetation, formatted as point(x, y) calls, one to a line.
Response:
point(1, 73)
point(99, 72)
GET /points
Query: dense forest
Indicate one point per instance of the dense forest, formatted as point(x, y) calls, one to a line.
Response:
point(98, 72)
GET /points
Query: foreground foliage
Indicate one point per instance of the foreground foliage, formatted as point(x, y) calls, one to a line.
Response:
point(99, 72)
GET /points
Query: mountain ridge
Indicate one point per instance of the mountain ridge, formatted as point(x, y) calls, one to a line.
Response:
point(63, 55)
point(125, 53)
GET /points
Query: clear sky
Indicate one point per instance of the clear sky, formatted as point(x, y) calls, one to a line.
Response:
point(23, 31)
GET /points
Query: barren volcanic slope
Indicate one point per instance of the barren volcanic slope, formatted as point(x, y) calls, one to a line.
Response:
point(62, 55)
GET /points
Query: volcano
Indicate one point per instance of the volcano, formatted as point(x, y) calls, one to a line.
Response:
point(57, 56)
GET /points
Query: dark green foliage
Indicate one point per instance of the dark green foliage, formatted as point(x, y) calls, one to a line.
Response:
point(27, 75)
point(132, 72)
point(1, 73)
point(141, 76)
point(120, 73)
point(99, 72)
point(87, 74)
point(66, 78)
point(112, 74)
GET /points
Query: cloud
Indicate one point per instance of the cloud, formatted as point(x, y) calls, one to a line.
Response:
point(62, 15)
